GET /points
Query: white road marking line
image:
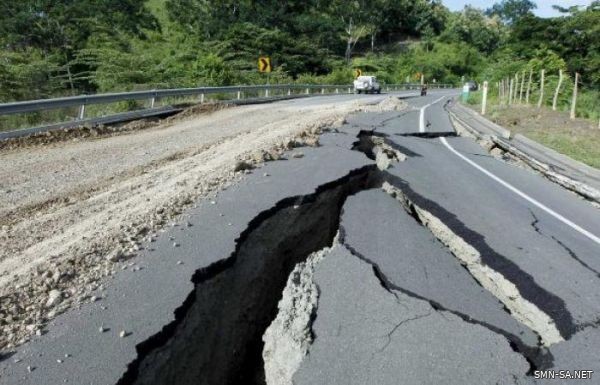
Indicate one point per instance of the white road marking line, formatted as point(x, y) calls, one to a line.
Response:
point(422, 114)
point(523, 195)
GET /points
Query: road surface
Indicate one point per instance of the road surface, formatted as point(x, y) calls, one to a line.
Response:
point(447, 266)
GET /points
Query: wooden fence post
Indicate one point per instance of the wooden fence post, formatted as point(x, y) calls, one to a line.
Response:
point(484, 100)
point(522, 84)
point(529, 86)
point(516, 89)
point(510, 91)
point(499, 92)
point(541, 89)
point(574, 100)
point(560, 80)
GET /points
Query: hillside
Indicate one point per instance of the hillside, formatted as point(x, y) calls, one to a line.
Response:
point(60, 47)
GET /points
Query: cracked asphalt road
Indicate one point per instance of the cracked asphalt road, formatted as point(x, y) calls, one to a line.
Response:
point(396, 305)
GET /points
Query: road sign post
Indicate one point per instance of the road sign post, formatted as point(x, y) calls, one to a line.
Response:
point(264, 66)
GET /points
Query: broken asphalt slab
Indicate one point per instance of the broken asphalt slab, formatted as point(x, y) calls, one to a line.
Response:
point(410, 259)
point(365, 334)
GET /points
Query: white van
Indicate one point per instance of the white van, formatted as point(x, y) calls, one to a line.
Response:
point(367, 84)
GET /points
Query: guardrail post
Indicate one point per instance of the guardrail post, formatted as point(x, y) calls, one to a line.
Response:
point(201, 98)
point(152, 100)
point(349, 90)
point(337, 90)
point(266, 92)
point(239, 95)
point(289, 91)
point(307, 91)
point(322, 90)
point(81, 114)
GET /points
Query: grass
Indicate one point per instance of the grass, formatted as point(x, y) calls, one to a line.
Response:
point(579, 139)
point(582, 146)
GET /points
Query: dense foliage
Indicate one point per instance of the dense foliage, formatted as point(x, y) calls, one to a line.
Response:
point(58, 47)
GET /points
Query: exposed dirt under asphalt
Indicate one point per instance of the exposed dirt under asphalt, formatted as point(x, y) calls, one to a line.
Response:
point(71, 209)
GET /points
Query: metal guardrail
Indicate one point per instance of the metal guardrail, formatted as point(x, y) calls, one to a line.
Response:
point(152, 96)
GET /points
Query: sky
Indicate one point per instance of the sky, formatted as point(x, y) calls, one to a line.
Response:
point(544, 8)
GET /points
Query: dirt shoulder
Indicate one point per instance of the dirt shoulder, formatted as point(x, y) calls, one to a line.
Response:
point(578, 139)
point(71, 210)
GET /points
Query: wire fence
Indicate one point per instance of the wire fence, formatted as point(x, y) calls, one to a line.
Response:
point(557, 90)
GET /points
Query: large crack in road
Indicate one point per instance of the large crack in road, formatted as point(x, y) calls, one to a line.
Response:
point(216, 337)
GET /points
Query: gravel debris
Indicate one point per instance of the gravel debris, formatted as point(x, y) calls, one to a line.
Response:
point(54, 298)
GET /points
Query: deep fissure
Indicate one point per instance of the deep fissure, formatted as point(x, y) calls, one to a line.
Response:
point(551, 304)
point(216, 337)
point(365, 144)
point(430, 135)
point(548, 302)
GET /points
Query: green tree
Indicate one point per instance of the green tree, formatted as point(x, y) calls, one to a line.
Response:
point(471, 26)
point(512, 11)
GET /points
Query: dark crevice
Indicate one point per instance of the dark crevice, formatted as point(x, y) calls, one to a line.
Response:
point(216, 337)
point(429, 135)
point(548, 302)
point(569, 251)
point(365, 144)
point(539, 358)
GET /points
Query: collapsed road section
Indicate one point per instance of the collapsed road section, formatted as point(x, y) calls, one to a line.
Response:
point(352, 263)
